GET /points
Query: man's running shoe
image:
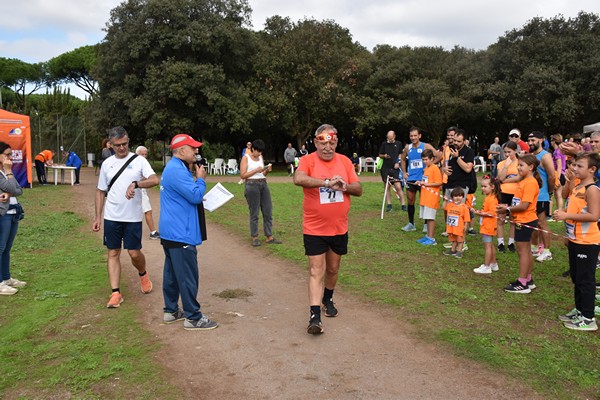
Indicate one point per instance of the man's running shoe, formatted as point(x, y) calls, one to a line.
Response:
point(145, 283)
point(315, 326)
point(202, 324)
point(155, 235)
point(582, 324)
point(483, 269)
point(169, 318)
point(511, 247)
point(544, 256)
point(570, 316)
point(517, 287)
point(501, 248)
point(409, 228)
point(115, 300)
point(329, 309)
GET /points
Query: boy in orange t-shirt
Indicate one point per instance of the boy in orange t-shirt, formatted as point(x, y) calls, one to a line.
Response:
point(457, 215)
point(430, 195)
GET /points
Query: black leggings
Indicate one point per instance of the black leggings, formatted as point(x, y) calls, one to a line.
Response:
point(582, 268)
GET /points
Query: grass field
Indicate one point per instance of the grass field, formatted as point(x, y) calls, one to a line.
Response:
point(57, 340)
point(518, 335)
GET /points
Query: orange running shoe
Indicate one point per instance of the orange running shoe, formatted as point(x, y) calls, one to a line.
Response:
point(115, 300)
point(145, 283)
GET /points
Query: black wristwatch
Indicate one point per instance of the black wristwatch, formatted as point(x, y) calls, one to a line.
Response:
point(135, 184)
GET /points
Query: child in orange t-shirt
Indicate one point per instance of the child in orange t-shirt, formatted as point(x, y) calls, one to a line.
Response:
point(523, 212)
point(457, 215)
point(430, 195)
point(581, 216)
point(490, 187)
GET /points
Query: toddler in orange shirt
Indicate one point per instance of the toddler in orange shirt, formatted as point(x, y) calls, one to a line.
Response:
point(457, 215)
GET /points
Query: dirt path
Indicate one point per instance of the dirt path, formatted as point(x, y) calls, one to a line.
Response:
point(261, 349)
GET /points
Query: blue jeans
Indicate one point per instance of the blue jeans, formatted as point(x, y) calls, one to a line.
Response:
point(180, 278)
point(9, 224)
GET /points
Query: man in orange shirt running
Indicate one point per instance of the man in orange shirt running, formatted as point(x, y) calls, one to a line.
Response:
point(328, 180)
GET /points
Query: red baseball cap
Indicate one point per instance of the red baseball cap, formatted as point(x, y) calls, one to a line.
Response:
point(184, 139)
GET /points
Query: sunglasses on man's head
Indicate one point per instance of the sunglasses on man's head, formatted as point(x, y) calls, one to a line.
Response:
point(513, 135)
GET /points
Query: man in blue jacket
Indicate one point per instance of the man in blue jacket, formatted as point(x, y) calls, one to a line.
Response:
point(73, 160)
point(180, 195)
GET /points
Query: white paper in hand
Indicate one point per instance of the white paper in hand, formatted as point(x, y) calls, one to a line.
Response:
point(216, 197)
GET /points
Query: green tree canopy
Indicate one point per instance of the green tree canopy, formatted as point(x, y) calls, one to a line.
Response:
point(167, 67)
point(75, 67)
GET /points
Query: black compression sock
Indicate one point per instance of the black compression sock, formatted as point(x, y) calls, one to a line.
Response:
point(327, 295)
point(411, 214)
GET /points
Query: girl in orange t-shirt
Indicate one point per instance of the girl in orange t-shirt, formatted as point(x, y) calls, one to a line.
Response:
point(490, 187)
point(581, 216)
point(508, 175)
point(523, 213)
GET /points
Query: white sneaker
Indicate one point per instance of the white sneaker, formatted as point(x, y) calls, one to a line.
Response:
point(14, 283)
point(483, 269)
point(7, 290)
point(544, 256)
point(409, 228)
point(494, 267)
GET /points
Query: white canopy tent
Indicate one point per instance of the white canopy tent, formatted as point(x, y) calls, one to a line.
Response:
point(591, 128)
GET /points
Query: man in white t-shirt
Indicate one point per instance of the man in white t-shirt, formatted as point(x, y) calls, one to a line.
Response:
point(123, 210)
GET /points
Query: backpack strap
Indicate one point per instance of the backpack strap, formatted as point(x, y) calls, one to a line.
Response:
point(114, 179)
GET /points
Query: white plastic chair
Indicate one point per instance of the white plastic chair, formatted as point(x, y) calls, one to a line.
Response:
point(479, 164)
point(218, 167)
point(370, 164)
point(232, 166)
point(361, 164)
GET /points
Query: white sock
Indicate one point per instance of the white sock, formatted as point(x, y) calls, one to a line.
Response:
point(511, 241)
point(500, 241)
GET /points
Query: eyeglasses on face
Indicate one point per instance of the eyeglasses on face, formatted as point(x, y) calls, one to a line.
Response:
point(120, 144)
point(513, 135)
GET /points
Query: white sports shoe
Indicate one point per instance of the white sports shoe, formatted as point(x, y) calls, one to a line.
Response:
point(6, 290)
point(14, 283)
point(494, 267)
point(483, 269)
point(544, 256)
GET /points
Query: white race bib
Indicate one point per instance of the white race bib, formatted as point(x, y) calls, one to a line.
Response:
point(416, 164)
point(425, 179)
point(452, 220)
point(328, 196)
point(515, 201)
